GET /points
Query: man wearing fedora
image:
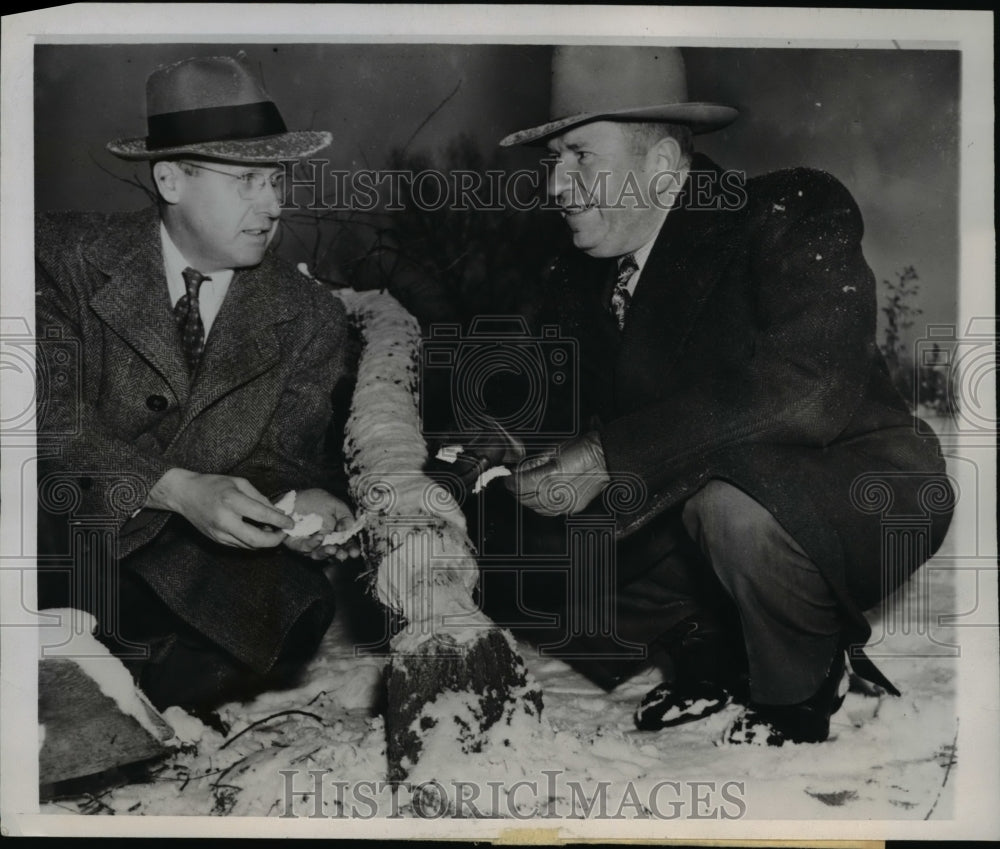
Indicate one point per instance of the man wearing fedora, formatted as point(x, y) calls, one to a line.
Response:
point(729, 371)
point(207, 376)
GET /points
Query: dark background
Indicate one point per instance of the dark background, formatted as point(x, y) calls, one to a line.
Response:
point(884, 122)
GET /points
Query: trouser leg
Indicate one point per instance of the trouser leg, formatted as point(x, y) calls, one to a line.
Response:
point(185, 668)
point(665, 580)
point(660, 580)
point(790, 619)
point(170, 653)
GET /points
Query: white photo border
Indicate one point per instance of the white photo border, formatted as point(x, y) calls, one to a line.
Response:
point(976, 813)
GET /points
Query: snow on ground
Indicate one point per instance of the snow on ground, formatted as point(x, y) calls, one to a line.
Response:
point(888, 758)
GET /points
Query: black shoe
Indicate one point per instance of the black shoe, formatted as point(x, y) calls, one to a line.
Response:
point(805, 722)
point(666, 706)
point(709, 671)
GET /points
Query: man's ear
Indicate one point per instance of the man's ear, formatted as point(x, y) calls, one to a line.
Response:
point(167, 177)
point(665, 155)
point(666, 161)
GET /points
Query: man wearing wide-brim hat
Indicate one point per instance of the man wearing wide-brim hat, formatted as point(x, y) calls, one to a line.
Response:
point(204, 369)
point(729, 373)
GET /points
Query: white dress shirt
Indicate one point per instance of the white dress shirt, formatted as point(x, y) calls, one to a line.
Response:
point(212, 292)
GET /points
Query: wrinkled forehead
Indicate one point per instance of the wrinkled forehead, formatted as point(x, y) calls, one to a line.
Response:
point(595, 133)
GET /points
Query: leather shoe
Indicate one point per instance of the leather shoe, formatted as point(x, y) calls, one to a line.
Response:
point(805, 722)
point(709, 673)
point(666, 706)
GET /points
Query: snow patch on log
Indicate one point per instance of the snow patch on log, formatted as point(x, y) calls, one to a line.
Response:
point(103, 668)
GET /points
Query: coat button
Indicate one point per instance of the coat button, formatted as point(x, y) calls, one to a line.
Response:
point(157, 403)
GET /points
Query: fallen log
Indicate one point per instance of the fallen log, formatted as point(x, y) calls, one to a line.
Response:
point(92, 718)
point(454, 679)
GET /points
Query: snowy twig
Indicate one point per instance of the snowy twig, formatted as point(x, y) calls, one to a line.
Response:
point(307, 755)
point(319, 719)
point(320, 693)
point(218, 782)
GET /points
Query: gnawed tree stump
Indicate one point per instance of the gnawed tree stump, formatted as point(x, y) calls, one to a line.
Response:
point(489, 677)
point(455, 680)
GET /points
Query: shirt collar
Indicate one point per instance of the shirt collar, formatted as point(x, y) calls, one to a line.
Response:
point(643, 253)
point(174, 265)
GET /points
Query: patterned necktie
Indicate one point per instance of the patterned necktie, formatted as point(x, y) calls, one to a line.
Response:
point(188, 317)
point(621, 297)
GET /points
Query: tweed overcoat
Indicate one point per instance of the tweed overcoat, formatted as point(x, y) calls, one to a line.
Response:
point(126, 411)
point(749, 355)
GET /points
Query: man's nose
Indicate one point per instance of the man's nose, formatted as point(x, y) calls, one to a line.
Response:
point(566, 184)
point(269, 200)
point(559, 180)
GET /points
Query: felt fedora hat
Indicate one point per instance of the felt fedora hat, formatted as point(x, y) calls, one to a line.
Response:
point(621, 83)
point(214, 107)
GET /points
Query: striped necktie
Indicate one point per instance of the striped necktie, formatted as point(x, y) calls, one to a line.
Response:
point(188, 316)
point(621, 297)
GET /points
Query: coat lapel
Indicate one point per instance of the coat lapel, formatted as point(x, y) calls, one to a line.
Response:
point(242, 343)
point(135, 302)
point(688, 258)
point(579, 306)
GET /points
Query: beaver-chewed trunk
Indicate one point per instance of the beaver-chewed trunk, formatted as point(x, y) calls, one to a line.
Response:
point(463, 695)
point(455, 680)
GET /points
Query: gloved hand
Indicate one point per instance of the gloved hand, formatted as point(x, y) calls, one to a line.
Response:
point(563, 482)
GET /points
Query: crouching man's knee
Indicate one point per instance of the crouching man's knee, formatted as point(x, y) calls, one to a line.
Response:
point(732, 529)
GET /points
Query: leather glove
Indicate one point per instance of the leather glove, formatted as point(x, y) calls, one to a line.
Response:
point(563, 482)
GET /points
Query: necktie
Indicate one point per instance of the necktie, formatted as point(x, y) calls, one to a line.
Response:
point(621, 298)
point(188, 316)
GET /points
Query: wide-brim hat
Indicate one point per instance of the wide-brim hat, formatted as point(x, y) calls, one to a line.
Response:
point(214, 107)
point(621, 83)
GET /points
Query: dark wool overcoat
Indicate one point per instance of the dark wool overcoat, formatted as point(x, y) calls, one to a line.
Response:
point(117, 409)
point(749, 355)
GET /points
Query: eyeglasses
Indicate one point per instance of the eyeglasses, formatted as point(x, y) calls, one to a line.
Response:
point(249, 184)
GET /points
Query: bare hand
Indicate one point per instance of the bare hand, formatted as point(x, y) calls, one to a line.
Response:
point(221, 507)
point(336, 517)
